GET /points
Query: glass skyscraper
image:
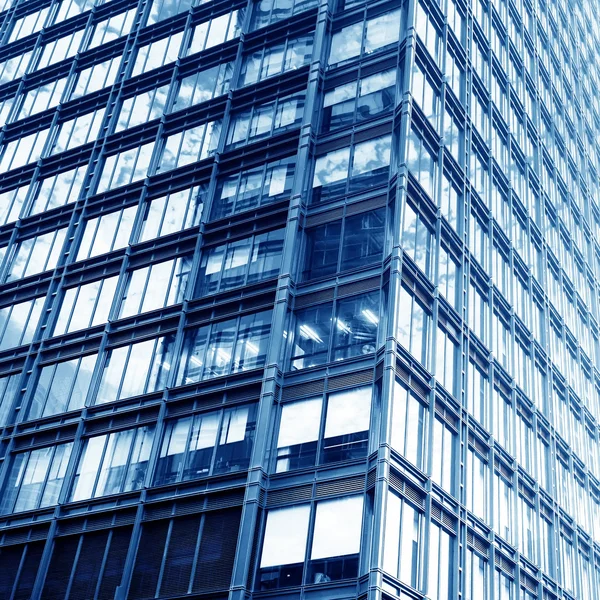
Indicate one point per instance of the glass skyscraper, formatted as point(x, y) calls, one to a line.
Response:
point(299, 299)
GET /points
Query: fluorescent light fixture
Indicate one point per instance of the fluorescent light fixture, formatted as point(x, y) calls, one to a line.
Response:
point(342, 326)
point(370, 316)
point(310, 334)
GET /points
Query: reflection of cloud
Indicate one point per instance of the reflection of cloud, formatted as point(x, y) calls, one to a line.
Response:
point(371, 155)
point(332, 167)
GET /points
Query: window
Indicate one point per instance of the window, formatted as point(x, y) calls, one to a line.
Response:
point(365, 37)
point(318, 338)
point(440, 563)
point(140, 368)
point(62, 387)
point(9, 388)
point(225, 347)
point(216, 31)
point(35, 478)
point(208, 443)
point(448, 280)
point(71, 8)
point(202, 86)
point(96, 77)
point(163, 9)
point(81, 130)
point(112, 28)
point(446, 357)
point(264, 120)
point(28, 25)
point(41, 98)
point(58, 50)
point(36, 255)
point(547, 545)
point(503, 418)
point(20, 563)
point(94, 561)
point(356, 241)
point(502, 340)
point(359, 100)
point(190, 145)
point(477, 482)
point(476, 576)
point(566, 556)
point(113, 463)
point(19, 322)
point(252, 188)
point(15, 67)
point(192, 553)
point(155, 286)
point(335, 543)
point(125, 167)
point(525, 441)
point(364, 165)
point(276, 59)
point(409, 425)
point(444, 450)
point(266, 12)
point(453, 134)
point(402, 539)
point(543, 462)
point(106, 233)
point(243, 262)
point(428, 32)
point(11, 204)
point(417, 238)
point(157, 53)
point(477, 390)
point(86, 306)
point(340, 431)
point(23, 150)
point(421, 160)
point(527, 530)
point(414, 323)
point(503, 586)
point(142, 108)
point(426, 93)
point(336, 540)
point(57, 190)
point(478, 240)
point(174, 212)
point(503, 492)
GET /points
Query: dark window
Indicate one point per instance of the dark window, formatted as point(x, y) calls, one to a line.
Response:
point(18, 569)
point(194, 553)
point(93, 562)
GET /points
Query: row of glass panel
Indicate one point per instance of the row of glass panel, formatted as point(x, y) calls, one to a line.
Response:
point(192, 447)
point(213, 350)
point(336, 428)
point(427, 95)
point(370, 167)
point(259, 65)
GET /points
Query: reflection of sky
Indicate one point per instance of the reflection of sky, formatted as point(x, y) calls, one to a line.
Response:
point(22, 322)
point(371, 155)
point(285, 536)
point(338, 524)
point(348, 412)
point(300, 422)
point(332, 167)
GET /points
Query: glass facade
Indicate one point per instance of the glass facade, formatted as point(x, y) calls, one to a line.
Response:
point(299, 298)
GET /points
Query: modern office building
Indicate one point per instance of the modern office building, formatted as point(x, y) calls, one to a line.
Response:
point(299, 299)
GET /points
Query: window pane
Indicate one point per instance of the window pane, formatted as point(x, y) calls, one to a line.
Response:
point(338, 524)
point(347, 425)
point(298, 434)
point(286, 533)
